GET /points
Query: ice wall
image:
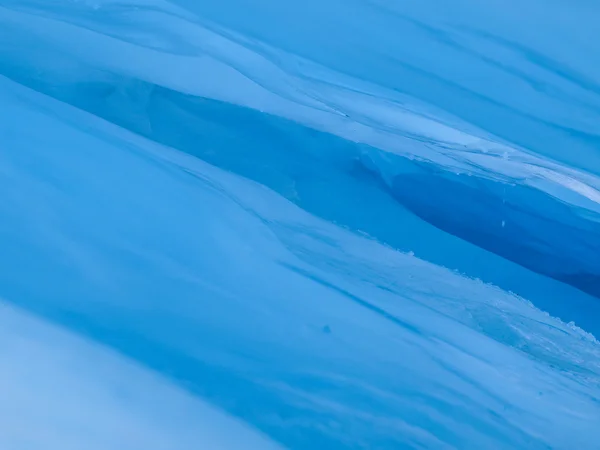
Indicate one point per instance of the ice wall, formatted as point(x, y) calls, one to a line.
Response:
point(151, 66)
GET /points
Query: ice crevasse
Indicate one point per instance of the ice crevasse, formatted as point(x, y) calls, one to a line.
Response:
point(357, 224)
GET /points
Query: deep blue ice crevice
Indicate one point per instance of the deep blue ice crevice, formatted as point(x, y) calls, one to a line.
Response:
point(514, 220)
point(308, 132)
point(317, 336)
point(343, 249)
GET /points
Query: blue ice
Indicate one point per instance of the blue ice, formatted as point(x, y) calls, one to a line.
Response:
point(309, 225)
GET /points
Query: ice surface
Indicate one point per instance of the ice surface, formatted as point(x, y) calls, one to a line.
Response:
point(338, 222)
point(125, 61)
point(60, 392)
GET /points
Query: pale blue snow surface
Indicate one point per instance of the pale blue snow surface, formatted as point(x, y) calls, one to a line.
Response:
point(54, 398)
point(322, 225)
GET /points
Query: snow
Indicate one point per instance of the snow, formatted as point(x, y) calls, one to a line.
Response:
point(48, 375)
point(316, 225)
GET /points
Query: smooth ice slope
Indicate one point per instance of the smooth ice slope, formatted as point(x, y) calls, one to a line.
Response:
point(327, 219)
point(319, 337)
point(61, 392)
point(488, 181)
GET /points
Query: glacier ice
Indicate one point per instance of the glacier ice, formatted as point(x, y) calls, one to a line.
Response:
point(47, 382)
point(316, 225)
